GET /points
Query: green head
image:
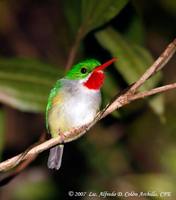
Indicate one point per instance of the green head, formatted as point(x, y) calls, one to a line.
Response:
point(91, 70)
point(82, 69)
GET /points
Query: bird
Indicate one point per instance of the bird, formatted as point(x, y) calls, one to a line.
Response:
point(73, 102)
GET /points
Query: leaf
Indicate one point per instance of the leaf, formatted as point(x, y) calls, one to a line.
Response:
point(133, 59)
point(25, 83)
point(95, 14)
point(72, 10)
point(157, 104)
point(135, 30)
point(2, 130)
point(90, 14)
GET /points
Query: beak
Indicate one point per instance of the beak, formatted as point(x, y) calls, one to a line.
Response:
point(106, 64)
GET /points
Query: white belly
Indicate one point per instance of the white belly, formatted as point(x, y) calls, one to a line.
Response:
point(81, 108)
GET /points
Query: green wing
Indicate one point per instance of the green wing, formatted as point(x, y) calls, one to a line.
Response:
point(52, 95)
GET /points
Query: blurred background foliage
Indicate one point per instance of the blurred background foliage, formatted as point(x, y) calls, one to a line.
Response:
point(133, 149)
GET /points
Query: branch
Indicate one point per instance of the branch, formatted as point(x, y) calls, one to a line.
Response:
point(74, 48)
point(156, 66)
point(153, 91)
point(120, 101)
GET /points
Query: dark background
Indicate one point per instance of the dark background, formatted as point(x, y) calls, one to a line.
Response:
point(133, 149)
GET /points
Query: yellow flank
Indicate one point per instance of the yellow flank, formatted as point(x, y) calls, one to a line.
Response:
point(57, 122)
point(56, 100)
point(56, 119)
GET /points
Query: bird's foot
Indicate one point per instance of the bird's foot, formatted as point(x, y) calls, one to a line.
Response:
point(74, 133)
point(62, 136)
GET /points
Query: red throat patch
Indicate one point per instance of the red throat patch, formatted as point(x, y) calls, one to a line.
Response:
point(95, 80)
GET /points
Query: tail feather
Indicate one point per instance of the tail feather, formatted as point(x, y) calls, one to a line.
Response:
point(55, 157)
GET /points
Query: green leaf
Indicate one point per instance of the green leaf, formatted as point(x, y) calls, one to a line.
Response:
point(95, 13)
point(135, 30)
point(72, 10)
point(90, 14)
point(133, 59)
point(2, 131)
point(25, 83)
point(157, 104)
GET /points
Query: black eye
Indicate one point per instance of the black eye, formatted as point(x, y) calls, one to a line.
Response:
point(83, 70)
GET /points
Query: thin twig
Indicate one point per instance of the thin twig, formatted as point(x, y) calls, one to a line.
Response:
point(122, 100)
point(156, 66)
point(74, 49)
point(153, 91)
